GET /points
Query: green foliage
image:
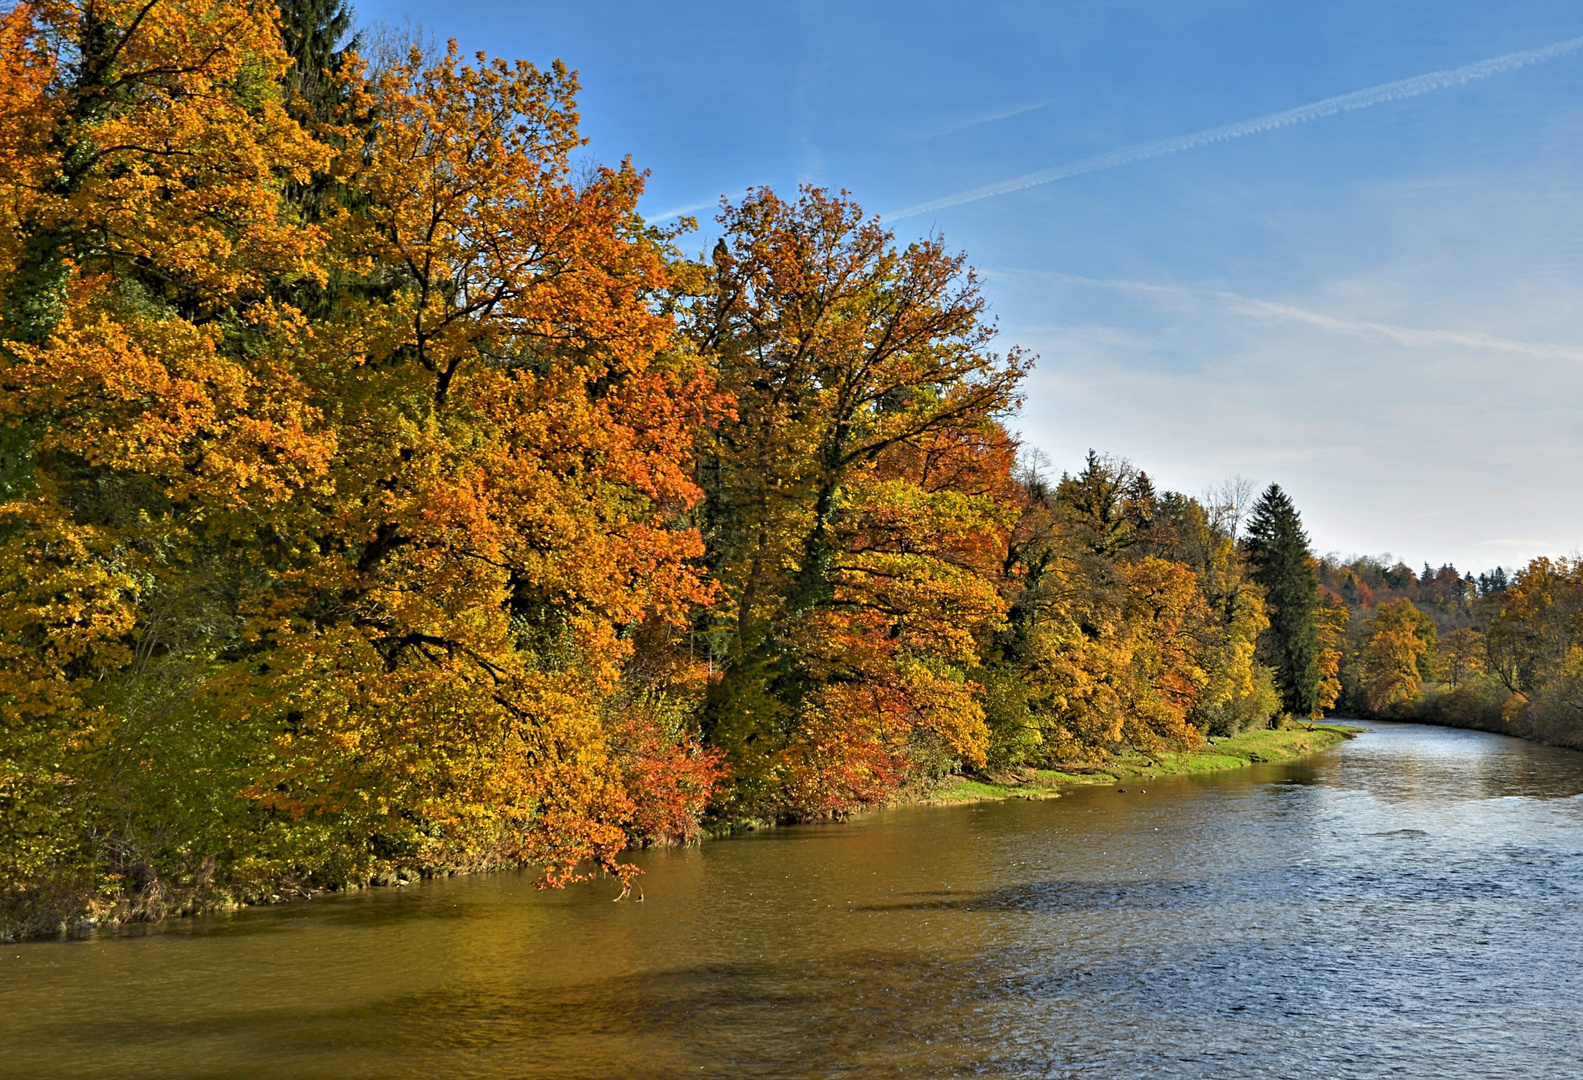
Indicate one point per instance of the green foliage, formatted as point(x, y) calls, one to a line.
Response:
point(317, 35)
point(1248, 711)
point(1015, 735)
point(1277, 551)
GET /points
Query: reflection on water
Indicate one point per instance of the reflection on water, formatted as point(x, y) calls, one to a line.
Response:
point(1405, 905)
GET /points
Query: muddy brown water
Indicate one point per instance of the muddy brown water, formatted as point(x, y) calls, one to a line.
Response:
point(1408, 904)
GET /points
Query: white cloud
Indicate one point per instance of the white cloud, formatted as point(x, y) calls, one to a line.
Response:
point(1402, 335)
point(680, 210)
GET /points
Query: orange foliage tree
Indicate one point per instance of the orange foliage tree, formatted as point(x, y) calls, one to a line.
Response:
point(513, 435)
point(852, 562)
point(327, 528)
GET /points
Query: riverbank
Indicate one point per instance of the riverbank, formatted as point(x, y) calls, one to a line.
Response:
point(1233, 752)
point(1481, 704)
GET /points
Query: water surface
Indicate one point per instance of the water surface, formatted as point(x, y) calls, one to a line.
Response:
point(1404, 905)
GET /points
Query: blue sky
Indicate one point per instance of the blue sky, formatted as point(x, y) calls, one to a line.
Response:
point(1382, 309)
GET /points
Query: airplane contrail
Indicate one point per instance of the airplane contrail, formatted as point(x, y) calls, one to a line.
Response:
point(1358, 99)
point(679, 211)
point(990, 118)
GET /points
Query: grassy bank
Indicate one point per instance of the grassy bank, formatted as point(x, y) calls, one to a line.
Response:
point(1234, 752)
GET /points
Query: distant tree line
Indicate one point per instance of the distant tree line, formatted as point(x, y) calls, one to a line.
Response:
point(1496, 650)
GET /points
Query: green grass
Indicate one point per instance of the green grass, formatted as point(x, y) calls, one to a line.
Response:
point(1236, 752)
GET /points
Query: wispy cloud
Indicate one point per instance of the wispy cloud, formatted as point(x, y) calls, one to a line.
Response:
point(1442, 433)
point(1409, 336)
point(1358, 99)
point(988, 118)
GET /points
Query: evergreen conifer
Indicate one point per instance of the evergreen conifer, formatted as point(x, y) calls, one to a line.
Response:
point(1278, 552)
point(317, 35)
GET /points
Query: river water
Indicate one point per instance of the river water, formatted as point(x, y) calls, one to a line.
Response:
point(1408, 904)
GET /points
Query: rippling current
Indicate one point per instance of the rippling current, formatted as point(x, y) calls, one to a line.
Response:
point(1407, 904)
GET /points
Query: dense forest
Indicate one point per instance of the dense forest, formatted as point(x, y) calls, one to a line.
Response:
point(384, 497)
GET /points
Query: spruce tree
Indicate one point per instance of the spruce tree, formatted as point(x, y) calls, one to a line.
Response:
point(317, 35)
point(1277, 550)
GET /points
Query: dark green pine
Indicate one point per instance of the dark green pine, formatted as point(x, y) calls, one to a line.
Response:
point(315, 35)
point(1277, 550)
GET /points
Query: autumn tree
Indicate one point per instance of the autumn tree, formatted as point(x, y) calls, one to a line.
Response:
point(1330, 624)
point(1536, 624)
point(1130, 623)
point(1534, 647)
point(1398, 652)
point(147, 415)
point(329, 528)
point(1277, 550)
point(847, 517)
point(513, 457)
point(1462, 655)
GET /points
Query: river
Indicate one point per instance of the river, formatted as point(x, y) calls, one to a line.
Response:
point(1407, 904)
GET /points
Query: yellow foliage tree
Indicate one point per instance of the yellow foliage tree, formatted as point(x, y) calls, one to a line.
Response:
point(144, 414)
point(1462, 652)
point(513, 427)
point(1399, 640)
point(1331, 621)
point(324, 542)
